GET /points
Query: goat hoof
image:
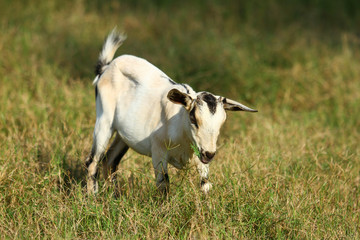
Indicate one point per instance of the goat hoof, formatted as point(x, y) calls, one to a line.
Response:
point(92, 186)
point(205, 187)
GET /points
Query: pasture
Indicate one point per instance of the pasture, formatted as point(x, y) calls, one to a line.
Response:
point(289, 171)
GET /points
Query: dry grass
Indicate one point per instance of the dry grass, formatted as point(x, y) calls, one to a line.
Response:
point(289, 171)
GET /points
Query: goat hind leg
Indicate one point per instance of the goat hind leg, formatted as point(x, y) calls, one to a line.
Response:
point(102, 135)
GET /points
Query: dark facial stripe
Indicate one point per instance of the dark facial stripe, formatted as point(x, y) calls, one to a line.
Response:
point(211, 101)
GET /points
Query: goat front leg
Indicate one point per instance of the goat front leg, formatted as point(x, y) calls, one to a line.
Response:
point(203, 170)
point(161, 172)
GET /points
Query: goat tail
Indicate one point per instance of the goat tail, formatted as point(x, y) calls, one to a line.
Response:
point(111, 44)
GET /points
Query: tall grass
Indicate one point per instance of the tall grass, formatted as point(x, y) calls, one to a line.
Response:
point(289, 171)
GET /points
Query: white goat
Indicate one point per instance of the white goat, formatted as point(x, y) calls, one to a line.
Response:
point(153, 115)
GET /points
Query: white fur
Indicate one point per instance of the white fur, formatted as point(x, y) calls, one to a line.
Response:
point(133, 101)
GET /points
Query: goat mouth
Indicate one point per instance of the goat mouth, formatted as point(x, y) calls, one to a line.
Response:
point(204, 160)
point(206, 157)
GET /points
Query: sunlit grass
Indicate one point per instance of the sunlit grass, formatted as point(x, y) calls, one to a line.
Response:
point(289, 171)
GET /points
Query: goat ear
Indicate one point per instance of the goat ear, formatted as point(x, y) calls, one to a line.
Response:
point(178, 97)
point(231, 105)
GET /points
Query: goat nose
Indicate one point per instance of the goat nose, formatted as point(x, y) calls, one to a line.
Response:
point(210, 155)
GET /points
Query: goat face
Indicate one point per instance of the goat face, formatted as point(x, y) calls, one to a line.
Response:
point(206, 115)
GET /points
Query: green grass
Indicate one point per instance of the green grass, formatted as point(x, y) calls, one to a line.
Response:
point(289, 171)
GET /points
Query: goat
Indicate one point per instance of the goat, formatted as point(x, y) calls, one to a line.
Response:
point(153, 115)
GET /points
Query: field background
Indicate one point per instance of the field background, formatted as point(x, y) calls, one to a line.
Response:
point(289, 171)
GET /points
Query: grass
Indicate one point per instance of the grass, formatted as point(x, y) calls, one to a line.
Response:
point(289, 171)
point(195, 149)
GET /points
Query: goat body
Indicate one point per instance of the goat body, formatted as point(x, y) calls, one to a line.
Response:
point(153, 115)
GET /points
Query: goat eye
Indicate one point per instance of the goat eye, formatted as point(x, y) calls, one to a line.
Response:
point(193, 118)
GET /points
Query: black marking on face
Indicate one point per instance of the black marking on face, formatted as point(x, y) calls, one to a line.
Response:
point(193, 117)
point(210, 100)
